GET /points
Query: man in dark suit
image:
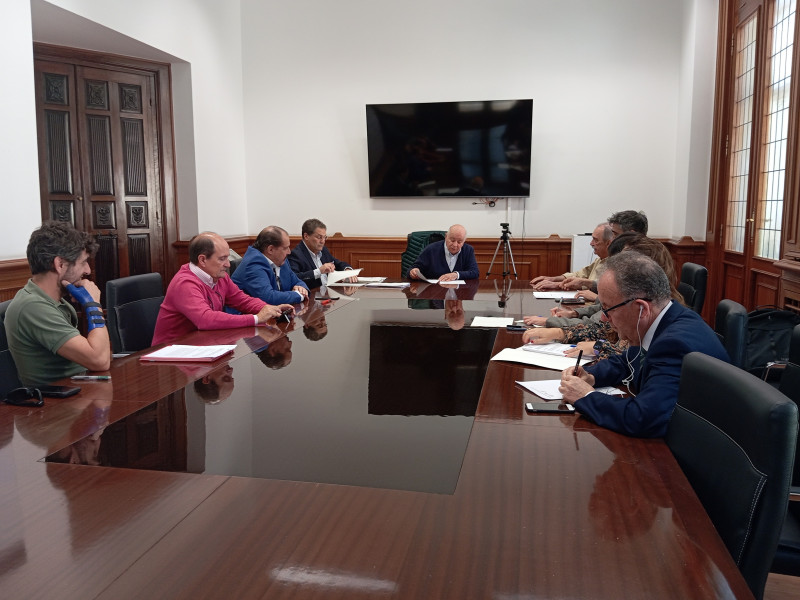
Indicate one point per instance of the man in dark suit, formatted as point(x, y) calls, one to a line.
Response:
point(311, 260)
point(447, 260)
point(635, 295)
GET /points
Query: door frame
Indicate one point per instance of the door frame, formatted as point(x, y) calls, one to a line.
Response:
point(162, 76)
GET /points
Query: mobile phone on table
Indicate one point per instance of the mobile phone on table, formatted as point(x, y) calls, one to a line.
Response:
point(58, 391)
point(549, 407)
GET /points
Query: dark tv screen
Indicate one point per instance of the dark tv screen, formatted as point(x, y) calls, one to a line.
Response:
point(462, 149)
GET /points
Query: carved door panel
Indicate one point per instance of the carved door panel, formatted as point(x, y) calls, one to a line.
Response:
point(99, 162)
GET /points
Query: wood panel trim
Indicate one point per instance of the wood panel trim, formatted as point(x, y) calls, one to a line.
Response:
point(382, 255)
point(14, 274)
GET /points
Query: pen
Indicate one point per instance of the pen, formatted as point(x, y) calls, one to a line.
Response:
point(325, 302)
point(91, 377)
point(578, 363)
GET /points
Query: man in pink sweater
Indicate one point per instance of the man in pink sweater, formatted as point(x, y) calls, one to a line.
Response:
point(201, 289)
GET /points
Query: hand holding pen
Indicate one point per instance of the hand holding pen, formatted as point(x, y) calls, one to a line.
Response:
point(576, 382)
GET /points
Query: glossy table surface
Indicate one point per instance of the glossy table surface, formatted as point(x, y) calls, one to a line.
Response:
point(542, 507)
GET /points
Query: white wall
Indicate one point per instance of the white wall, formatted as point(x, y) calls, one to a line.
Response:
point(610, 101)
point(269, 105)
point(19, 169)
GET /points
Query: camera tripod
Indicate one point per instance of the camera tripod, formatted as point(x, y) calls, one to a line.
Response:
point(508, 256)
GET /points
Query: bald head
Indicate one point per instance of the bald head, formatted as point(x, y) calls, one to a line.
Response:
point(455, 238)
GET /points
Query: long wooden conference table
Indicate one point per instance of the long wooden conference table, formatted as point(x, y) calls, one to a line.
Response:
point(369, 449)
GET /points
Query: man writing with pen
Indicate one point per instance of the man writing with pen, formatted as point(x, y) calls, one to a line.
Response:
point(635, 296)
point(41, 325)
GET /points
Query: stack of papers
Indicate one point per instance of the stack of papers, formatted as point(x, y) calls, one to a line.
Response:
point(445, 283)
point(548, 389)
point(178, 353)
point(492, 321)
point(538, 359)
point(337, 277)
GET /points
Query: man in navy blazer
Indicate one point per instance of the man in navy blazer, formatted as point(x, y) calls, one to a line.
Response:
point(311, 260)
point(635, 295)
point(264, 272)
point(447, 260)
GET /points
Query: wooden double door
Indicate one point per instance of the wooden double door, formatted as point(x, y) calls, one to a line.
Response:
point(101, 159)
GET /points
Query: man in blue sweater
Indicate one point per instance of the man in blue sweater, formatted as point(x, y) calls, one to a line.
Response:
point(447, 260)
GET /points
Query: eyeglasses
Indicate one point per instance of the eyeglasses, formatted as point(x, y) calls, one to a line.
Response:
point(605, 311)
point(25, 396)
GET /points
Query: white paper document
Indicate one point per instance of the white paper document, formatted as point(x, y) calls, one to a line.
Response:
point(454, 282)
point(371, 279)
point(336, 276)
point(492, 321)
point(554, 349)
point(548, 389)
point(554, 295)
point(548, 361)
point(180, 353)
point(389, 284)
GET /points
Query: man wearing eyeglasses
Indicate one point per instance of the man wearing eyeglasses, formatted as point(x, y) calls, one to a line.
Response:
point(635, 296)
point(310, 260)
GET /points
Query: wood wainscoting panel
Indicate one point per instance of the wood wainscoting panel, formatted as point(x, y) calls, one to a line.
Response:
point(14, 274)
point(767, 288)
point(380, 256)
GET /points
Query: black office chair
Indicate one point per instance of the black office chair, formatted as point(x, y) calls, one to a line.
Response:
point(132, 309)
point(692, 285)
point(235, 260)
point(787, 557)
point(734, 436)
point(8, 370)
point(730, 325)
point(417, 240)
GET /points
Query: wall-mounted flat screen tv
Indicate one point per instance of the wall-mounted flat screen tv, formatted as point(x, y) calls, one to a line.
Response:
point(463, 149)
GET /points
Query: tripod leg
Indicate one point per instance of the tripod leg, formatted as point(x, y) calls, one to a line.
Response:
point(491, 264)
point(511, 256)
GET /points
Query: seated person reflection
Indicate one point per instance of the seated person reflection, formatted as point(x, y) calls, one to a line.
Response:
point(582, 279)
point(315, 327)
point(311, 260)
point(200, 291)
point(447, 260)
point(41, 326)
point(277, 354)
point(636, 298)
point(265, 273)
point(454, 314)
point(215, 386)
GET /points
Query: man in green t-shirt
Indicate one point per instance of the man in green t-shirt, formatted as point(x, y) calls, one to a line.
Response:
point(41, 325)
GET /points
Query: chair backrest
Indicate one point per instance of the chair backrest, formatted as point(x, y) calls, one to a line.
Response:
point(734, 436)
point(790, 386)
point(417, 240)
point(136, 323)
point(126, 290)
point(234, 263)
point(730, 324)
point(8, 370)
point(692, 285)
